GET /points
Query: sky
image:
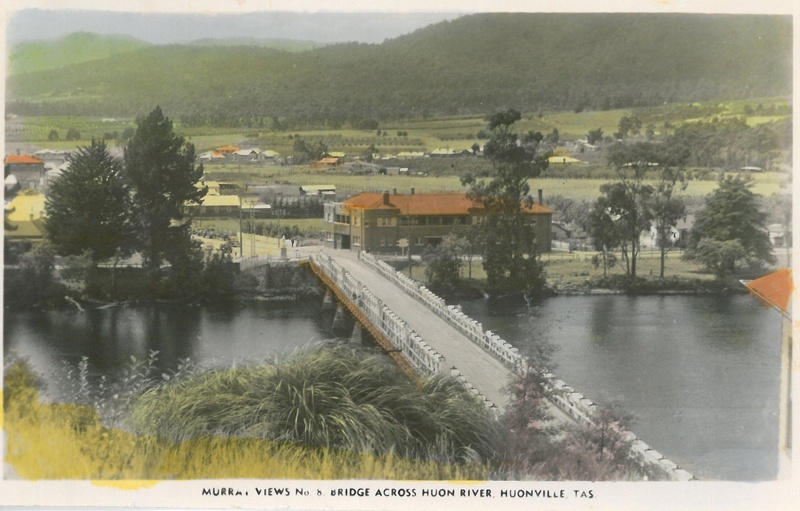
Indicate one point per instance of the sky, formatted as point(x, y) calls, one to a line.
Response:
point(166, 28)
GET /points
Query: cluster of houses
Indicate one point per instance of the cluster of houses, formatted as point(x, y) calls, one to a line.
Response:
point(231, 153)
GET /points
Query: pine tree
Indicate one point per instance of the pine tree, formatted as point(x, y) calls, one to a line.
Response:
point(731, 214)
point(87, 206)
point(160, 169)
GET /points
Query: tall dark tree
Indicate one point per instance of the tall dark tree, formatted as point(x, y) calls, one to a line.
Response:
point(510, 258)
point(161, 172)
point(88, 206)
point(731, 214)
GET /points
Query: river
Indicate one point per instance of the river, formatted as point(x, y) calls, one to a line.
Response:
point(700, 372)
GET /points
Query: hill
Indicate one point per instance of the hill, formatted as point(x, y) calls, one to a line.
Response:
point(74, 48)
point(472, 65)
point(259, 42)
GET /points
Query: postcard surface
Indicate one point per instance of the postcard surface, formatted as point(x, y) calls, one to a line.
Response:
point(273, 256)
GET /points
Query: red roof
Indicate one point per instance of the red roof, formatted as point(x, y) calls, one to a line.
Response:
point(425, 204)
point(774, 289)
point(22, 158)
point(228, 149)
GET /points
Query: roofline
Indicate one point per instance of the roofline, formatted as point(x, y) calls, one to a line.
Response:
point(765, 300)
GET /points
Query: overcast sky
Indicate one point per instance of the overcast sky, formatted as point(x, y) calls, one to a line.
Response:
point(178, 28)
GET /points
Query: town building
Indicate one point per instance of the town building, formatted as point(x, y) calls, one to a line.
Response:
point(776, 290)
point(387, 223)
point(28, 170)
point(24, 218)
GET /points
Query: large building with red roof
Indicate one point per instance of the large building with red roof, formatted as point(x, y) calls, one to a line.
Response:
point(387, 223)
point(28, 170)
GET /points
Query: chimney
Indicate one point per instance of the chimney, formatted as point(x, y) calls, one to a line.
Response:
point(394, 191)
point(412, 191)
point(386, 197)
point(540, 196)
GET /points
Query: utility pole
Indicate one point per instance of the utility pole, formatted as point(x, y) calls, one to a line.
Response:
point(241, 238)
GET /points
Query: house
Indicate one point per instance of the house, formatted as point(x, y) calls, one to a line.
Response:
point(563, 160)
point(211, 156)
point(28, 170)
point(325, 163)
point(270, 154)
point(382, 222)
point(227, 150)
point(252, 154)
point(776, 290)
point(317, 189)
point(404, 155)
point(214, 205)
point(444, 151)
point(24, 217)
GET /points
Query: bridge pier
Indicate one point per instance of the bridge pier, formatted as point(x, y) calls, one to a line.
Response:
point(357, 335)
point(342, 322)
point(327, 301)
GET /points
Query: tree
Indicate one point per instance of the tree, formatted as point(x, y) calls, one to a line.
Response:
point(87, 207)
point(369, 153)
point(160, 169)
point(443, 263)
point(53, 136)
point(73, 134)
point(594, 136)
point(731, 213)
point(510, 257)
point(629, 124)
point(626, 200)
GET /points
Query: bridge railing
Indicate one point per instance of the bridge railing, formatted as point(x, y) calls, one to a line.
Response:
point(472, 329)
point(573, 403)
point(423, 357)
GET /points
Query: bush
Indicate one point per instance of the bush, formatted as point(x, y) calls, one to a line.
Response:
point(338, 397)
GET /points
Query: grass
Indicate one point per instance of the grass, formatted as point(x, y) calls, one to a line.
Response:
point(68, 441)
point(336, 398)
point(568, 272)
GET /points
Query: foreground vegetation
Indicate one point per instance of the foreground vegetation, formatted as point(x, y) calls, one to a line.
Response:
point(327, 413)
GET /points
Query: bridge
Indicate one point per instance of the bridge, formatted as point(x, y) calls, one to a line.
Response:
point(424, 335)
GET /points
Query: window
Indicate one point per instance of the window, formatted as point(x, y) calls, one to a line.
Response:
point(356, 240)
point(356, 221)
point(383, 242)
point(329, 236)
point(420, 242)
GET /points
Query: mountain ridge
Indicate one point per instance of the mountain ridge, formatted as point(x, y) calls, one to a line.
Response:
point(473, 64)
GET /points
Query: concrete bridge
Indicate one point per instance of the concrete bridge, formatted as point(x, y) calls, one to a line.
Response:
point(424, 335)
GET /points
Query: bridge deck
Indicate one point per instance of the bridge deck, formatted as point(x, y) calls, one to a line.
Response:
point(483, 371)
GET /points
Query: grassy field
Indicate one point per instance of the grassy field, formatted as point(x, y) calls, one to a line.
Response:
point(765, 184)
point(572, 270)
point(456, 132)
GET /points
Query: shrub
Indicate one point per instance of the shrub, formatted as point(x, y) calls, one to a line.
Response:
point(335, 398)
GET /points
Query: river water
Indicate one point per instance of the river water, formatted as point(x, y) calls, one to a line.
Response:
point(700, 372)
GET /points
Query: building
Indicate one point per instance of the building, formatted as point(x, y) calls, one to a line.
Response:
point(227, 149)
point(28, 170)
point(775, 290)
point(24, 217)
point(385, 223)
point(325, 163)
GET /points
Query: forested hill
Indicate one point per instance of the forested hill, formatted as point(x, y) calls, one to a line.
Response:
point(74, 48)
point(474, 64)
